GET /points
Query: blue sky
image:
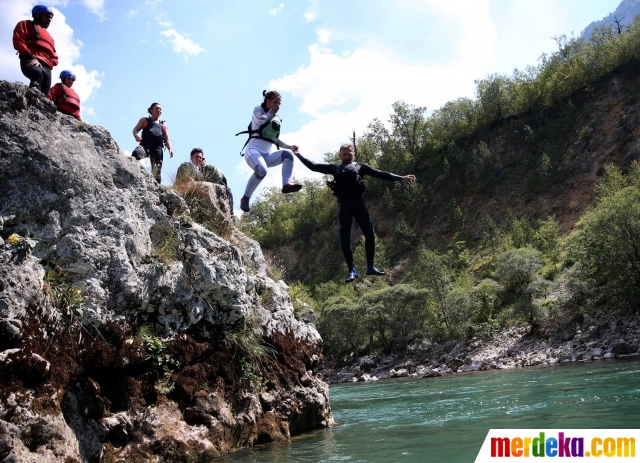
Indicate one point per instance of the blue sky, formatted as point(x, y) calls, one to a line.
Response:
point(337, 63)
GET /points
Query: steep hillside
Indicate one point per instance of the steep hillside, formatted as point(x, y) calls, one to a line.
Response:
point(128, 331)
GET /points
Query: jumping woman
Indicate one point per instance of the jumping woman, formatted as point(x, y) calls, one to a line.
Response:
point(264, 132)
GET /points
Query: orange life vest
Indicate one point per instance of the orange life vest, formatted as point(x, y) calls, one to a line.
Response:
point(68, 100)
point(41, 41)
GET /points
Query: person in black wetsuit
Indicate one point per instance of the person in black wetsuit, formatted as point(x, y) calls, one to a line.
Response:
point(348, 186)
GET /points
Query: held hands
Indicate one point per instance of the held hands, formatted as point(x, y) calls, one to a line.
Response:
point(33, 63)
point(409, 178)
point(295, 149)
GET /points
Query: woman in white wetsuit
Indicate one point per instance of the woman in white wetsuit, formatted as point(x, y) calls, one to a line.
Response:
point(263, 134)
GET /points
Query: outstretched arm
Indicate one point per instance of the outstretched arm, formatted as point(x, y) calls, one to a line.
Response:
point(366, 169)
point(327, 169)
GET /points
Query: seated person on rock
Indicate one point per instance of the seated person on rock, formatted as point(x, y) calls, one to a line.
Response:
point(197, 170)
point(66, 99)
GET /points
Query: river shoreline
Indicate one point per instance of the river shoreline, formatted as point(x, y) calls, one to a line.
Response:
point(598, 338)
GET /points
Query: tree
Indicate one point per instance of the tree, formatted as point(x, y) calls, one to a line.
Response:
point(432, 272)
point(396, 315)
point(493, 95)
point(341, 326)
point(608, 246)
point(516, 268)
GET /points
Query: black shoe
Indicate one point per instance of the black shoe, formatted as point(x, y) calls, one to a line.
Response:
point(353, 274)
point(35, 85)
point(291, 188)
point(371, 270)
point(244, 204)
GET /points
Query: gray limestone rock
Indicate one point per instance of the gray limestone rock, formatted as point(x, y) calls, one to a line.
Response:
point(120, 252)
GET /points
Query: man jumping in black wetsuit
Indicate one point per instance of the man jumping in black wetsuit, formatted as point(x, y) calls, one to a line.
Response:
point(348, 186)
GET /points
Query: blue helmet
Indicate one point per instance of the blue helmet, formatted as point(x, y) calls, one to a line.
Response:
point(41, 9)
point(65, 74)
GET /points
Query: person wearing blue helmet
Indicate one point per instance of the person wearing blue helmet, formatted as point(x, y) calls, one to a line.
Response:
point(36, 48)
point(66, 99)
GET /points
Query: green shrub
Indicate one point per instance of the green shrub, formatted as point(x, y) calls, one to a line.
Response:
point(516, 268)
point(341, 327)
point(608, 247)
point(396, 316)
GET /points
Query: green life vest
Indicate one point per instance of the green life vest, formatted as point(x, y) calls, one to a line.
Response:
point(269, 131)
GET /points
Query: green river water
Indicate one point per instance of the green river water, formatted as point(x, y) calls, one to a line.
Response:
point(446, 419)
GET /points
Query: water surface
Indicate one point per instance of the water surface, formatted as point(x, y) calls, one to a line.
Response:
point(446, 419)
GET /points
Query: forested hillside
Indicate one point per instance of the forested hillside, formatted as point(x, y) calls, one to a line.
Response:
point(526, 209)
point(622, 17)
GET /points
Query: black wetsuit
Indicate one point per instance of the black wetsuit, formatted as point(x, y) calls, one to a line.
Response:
point(348, 187)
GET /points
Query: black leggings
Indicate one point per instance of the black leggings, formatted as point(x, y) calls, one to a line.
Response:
point(347, 211)
point(40, 74)
point(156, 155)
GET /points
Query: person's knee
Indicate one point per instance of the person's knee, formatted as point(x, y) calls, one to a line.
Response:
point(287, 154)
point(260, 172)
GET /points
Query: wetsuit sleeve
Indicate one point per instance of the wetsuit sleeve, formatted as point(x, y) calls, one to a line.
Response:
point(20, 34)
point(366, 169)
point(327, 169)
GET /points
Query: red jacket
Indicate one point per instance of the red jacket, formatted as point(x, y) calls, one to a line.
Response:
point(66, 99)
point(31, 39)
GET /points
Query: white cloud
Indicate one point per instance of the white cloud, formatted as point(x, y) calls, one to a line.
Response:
point(161, 19)
point(275, 11)
point(68, 48)
point(132, 13)
point(324, 35)
point(345, 91)
point(181, 44)
point(243, 169)
point(96, 7)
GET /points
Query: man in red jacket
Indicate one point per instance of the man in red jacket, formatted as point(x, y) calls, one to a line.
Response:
point(66, 99)
point(36, 48)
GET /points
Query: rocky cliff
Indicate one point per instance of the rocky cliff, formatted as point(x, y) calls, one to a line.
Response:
point(129, 331)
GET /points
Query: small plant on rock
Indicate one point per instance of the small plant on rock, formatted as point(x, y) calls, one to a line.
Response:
point(160, 360)
point(23, 244)
point(63, 295)
point(253, 351)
